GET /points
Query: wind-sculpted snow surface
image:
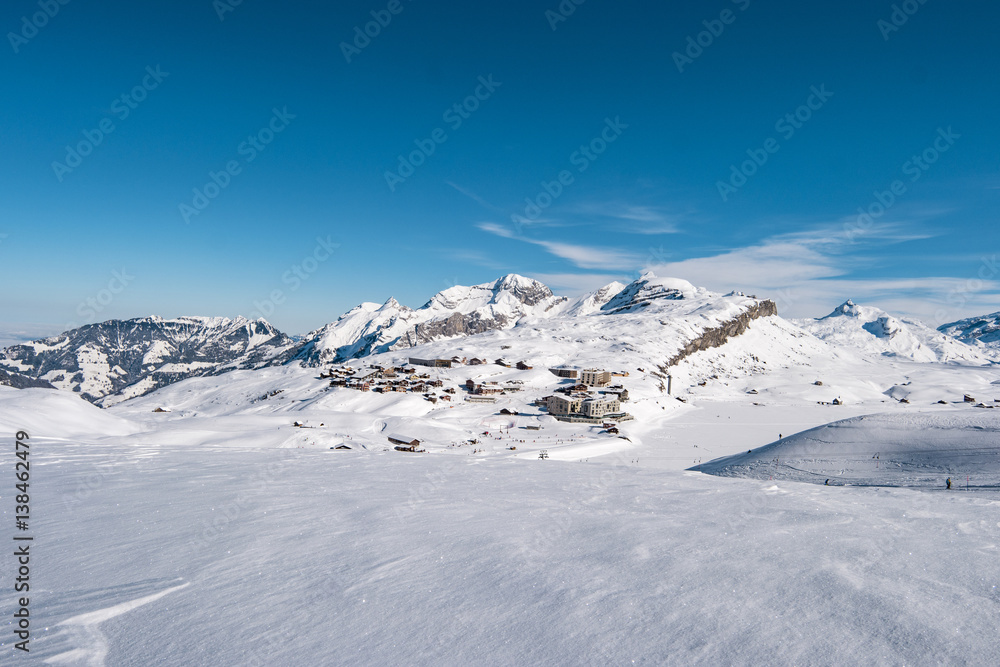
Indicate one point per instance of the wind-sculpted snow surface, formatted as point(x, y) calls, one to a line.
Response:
point(912, 450)
point(200, 556)
point(227, 531)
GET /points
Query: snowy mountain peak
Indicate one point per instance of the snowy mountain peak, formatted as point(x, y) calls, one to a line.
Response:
point(392, 305)
point(514, 283)
point(648, 288)
point(608, 292)
point(848, 308)
point(365, 307)
point(502, 304)
point(510, 288)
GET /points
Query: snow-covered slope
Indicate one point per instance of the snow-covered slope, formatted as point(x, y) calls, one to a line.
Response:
point(918, 449)
point(594, 301)
point(57, 414)
point(118, 359)
point(875, 331)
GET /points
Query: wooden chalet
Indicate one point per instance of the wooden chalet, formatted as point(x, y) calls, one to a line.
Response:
point(404, 442)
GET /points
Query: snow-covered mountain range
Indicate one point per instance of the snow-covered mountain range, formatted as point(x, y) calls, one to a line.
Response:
point(506, 303)
point(983, 330)
point(127, 358)
point(661, 321)
point(458, 311)
point(874, 331)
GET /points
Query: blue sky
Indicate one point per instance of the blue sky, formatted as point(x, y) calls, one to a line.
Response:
point(300, 133)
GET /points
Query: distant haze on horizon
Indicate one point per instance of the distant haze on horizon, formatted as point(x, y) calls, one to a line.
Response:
point(290, 162)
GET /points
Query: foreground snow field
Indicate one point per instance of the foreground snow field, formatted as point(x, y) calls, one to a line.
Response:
point(202, 554)
point(243, 557)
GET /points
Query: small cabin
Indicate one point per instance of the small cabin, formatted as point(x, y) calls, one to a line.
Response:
point(404, 442)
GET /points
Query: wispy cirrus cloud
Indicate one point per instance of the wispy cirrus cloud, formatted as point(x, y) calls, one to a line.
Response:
point(581, 256)
point(630, 218)
point(591, 257)
point(474, 197)
point(497, 230)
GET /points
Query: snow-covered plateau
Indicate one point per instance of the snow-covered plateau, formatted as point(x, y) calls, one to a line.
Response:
point(779, 496)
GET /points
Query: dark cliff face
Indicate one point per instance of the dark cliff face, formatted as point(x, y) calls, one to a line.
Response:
point(456, 325)
point(99, 360)
point(718, 336)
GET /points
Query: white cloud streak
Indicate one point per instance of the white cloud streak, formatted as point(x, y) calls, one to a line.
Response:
point(584, 257)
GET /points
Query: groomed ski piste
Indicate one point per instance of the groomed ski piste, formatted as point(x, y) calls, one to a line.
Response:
point(219, 532)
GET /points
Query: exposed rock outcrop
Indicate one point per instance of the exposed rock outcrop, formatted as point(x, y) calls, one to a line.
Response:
point(718, 336)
